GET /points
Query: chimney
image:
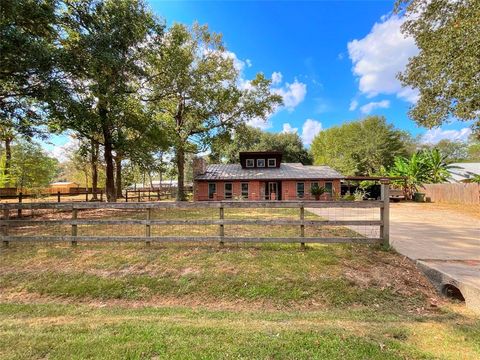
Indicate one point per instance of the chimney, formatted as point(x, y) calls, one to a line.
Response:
point(199, 166)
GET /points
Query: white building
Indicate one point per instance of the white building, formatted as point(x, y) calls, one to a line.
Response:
point(464, 171)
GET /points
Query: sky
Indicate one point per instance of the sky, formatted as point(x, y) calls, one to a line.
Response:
point(331, 61)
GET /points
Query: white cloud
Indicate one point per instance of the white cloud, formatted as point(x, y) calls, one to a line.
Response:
point(368, 108)
point(288, 129)
point(292, 94)
point(310, 128)
point(248, 62)
point(237, 63)
point(260, 123)
point(433, 136)
point(353, 105)
point(379, 56)
point(276, 78)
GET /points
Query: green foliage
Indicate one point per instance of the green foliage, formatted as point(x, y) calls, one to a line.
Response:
point(5, 176)
point(453, 151)
point(31, 167)
point(423, 167)
point(360, 147)
point(225, 147)
point(196, 91)
point(317, 190)
point(105, 50)
point(446, 69)
point(27, 58)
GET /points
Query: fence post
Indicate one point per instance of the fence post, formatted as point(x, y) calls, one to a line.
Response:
point(58, 196)
point(147, 226)
point(221, 230)
point(126, 195)
point(302, 226)
point(385, 213)
point(74, 226)
point(86, 196)
point(6, 216)
point(20, 199)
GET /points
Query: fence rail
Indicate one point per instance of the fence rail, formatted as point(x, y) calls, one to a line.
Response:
point(222, 221)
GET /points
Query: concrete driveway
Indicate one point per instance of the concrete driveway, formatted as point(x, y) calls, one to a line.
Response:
point(422, 232)
point(445, 243)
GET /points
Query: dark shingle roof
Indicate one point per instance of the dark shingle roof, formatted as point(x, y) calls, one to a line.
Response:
point(285, 171)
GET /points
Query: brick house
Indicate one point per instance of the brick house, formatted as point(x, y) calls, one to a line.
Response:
point(262, 176)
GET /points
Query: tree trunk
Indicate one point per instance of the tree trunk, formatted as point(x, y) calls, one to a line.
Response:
point(118, 176)
point(8, 160)
point(109, 170)
point(181, 174)
point(94, 164)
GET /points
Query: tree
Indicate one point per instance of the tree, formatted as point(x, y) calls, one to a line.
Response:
point(360, 147)
point(196, 93)
point(473, 149)
point(246, 138)
point(105, 47)
point(445, 71)
point(453, 151)
point(31, 167)
point(27, 61)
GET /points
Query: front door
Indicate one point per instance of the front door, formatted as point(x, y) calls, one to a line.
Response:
point(272, 189)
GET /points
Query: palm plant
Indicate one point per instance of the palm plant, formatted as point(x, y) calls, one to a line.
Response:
point(423, 167)
point(414, 170)
point(317, 191)
point(438, 168)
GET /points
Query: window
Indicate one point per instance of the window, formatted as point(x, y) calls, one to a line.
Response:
point(245, 190)
point(212, 189)
point(329, 188)
point(272, 162)
point(228, 190)
point(250, 163)
point(260, 162)
point(300, 190)
point(312, 184)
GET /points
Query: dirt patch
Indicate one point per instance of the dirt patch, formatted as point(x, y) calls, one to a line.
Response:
point(389, 270)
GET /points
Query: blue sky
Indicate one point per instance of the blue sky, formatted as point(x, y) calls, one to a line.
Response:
point(334, 61)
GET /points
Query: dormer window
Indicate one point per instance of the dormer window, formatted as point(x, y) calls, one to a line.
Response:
point(261, 163)
point(250, 163)
point(272, 162)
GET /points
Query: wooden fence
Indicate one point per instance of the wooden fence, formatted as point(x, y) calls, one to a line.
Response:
point(59, 196)
point(159, 193)
point(146, 208)
point(453, 193)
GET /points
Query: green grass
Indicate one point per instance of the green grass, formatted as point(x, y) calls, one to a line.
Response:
point(110, 301)
point(79, 332)
point(200, 301)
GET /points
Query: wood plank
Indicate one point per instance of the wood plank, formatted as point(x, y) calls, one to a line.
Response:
point(196, 205)
point(191, 239)
point(24, 222)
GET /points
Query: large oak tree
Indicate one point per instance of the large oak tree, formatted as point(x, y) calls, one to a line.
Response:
point(196, 92)
point(446, 70)
point(105, 47)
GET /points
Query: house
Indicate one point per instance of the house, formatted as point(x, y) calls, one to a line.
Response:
point(62, 187)
point(464, 172)
point(262, 176)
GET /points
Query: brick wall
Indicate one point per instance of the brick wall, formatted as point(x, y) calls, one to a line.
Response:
point(289, 189)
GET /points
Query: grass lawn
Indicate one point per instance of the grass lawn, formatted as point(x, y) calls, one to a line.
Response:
point(110, 301)
point(190, 301)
